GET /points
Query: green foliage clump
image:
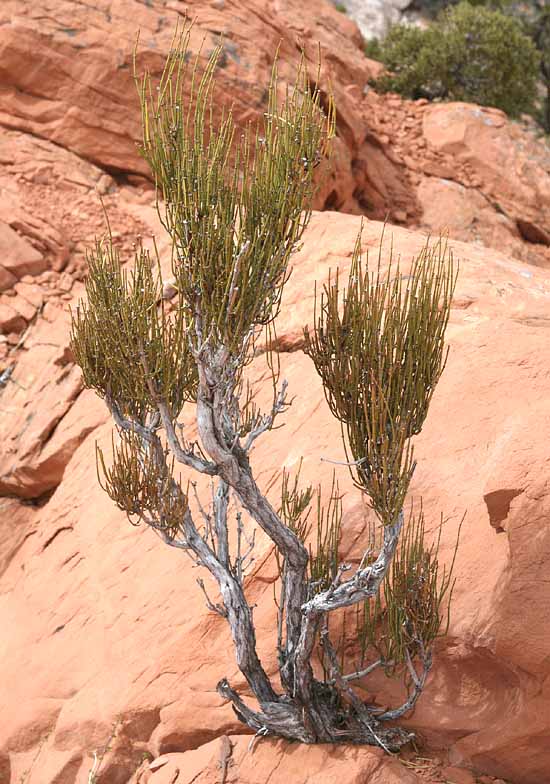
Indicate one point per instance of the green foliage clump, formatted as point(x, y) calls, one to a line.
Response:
point(535, 20)
point(408, 611)
point(378, 347)
point(129, 350)
point(469, 54)
point(373, 49)
point(142, 485)
point(295, 510)
point(433, 7)
point(233, 202)
point(411, 57)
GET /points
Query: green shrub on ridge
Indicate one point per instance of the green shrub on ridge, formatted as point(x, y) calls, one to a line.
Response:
point(469, 54)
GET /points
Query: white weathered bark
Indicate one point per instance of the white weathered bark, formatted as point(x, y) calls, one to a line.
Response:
point(306, 711)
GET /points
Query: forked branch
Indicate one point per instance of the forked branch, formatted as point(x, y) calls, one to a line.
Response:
point(235, 206)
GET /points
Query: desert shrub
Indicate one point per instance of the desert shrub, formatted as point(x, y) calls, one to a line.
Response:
point(235, 203)
point(410, 54)
point(469, 54)
point(432, 8)
point(373, 49)
point(535, 21)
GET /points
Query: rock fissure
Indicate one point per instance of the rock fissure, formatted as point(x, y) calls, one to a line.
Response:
point(54, 536)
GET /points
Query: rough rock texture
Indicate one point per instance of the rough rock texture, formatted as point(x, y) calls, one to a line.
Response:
point(107, 646)
point(40, 428)
point(49, 199)
point(476, 175)
point(451, 167)
point(79, 91)
point(509, 167)
point(119, 654)
point(275, 761)
point(50, 211)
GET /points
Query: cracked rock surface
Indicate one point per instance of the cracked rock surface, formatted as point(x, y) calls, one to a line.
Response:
point(107, 646)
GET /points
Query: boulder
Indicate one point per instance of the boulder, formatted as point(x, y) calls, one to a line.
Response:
point(506, 164)
point(41, 426)
point(118, 649)
point(17, 257)
point(472, 173)
point(11, 319)
point(79, 90)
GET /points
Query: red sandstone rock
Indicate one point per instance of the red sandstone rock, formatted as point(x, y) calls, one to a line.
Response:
point(10, 319)
point(117, 646)
point(40, 427)
point(17, 257)
point(32, 293)
point(86, 101)
point(464, 213)
point(23, 306)
point(509, 167)
point(277, 762)
point(7, 279)
point(473, 173)
point(81, 45)
point(458, 775)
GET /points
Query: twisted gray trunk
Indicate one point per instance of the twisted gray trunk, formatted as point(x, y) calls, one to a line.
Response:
point(364, 584)
point(304, 713)
point(238, 613)
point(237, 474)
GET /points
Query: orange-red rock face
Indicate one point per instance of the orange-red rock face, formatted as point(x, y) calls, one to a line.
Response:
point(247, 763)
point(475, 175)
point(78, 91)
point(108, 631)
point(107, 641)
